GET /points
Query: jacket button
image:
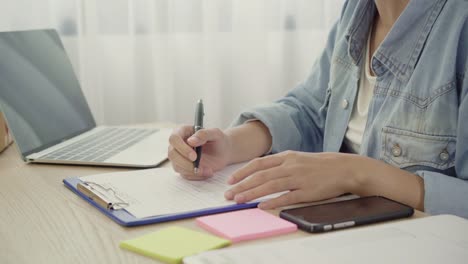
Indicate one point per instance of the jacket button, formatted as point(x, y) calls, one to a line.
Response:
point(345, 104)
point(444, 155)
point(396, 150)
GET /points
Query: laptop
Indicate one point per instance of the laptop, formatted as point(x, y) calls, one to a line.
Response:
point(49, 117)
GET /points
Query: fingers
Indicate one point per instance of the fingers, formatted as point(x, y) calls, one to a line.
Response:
point(254, 166)
point(178, 159)
point(246, 190)
point(292, 197)
point(185, 167)
point(176, 141)
point(181, 152)
point(271, 187)
point(205, 135)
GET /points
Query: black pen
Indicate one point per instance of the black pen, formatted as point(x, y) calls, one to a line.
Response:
point(198, 124)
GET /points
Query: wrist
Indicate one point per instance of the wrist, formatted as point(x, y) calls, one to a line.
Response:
point(247, 141)
point(229, 139)
point(263, 136)
point(358, 179)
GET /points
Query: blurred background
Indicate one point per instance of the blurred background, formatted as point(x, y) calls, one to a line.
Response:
point(142, 61)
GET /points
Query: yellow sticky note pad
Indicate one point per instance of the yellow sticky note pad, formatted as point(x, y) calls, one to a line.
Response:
point(172, 244)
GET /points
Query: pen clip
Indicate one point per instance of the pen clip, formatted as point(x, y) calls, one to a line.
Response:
point(199, 114)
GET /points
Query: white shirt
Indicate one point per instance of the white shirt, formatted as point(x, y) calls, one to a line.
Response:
point(358, 119)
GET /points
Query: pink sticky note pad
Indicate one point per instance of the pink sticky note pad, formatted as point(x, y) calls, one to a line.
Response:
point(245, 225)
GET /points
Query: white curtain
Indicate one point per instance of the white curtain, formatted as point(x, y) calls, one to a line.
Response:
point(142, 61)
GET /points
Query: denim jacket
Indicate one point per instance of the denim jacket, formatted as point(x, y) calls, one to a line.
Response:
point(416, 119)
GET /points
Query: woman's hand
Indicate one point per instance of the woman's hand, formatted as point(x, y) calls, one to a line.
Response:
point(310, 177)
point(306, 176)
point(215, 151)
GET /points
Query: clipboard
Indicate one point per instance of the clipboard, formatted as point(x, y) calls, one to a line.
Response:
point(122, 217)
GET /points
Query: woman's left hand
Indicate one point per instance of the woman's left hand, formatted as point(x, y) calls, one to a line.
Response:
point(306, 176)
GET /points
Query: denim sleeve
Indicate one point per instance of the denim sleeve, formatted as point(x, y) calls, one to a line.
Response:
point(445, 194)
point(297, 121)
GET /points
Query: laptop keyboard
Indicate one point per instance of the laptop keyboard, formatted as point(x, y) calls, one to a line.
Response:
point(102, 145)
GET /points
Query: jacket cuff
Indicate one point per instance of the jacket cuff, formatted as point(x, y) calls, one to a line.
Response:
point(444, 194)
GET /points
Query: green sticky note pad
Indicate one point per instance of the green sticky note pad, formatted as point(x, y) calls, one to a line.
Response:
point(172, 244)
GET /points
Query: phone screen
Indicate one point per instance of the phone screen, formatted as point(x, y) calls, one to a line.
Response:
point(360, 208)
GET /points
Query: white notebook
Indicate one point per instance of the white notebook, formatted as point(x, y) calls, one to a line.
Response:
point(429, 240)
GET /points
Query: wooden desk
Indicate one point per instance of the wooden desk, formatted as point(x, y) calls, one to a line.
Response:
point(41, 221)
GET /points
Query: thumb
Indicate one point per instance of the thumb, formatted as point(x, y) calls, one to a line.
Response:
point(204, 135)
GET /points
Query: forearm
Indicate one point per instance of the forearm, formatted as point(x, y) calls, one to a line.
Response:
point(248, 141)
point(374, 177)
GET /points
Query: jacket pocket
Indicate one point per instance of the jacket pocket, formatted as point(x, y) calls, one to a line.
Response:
point(404, 148)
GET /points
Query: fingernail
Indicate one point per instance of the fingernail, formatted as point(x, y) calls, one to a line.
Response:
point(228, 194)
point(230, 180)
point(193, 139)
point(239, 198)
point(192, 156)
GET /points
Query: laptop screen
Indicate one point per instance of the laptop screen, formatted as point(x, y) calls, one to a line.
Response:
point(40, 96)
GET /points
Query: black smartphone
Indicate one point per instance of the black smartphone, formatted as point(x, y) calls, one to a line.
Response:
point(343, 214)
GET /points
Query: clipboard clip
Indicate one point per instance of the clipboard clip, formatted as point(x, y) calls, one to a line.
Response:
point(100, 195)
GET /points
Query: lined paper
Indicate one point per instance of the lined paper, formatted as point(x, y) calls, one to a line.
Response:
point(162, 191)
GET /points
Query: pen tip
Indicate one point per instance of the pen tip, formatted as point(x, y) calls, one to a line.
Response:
point(200, 101)
point(196, 171)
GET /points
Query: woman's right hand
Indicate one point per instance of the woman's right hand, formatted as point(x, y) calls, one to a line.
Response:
point(215, 152)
